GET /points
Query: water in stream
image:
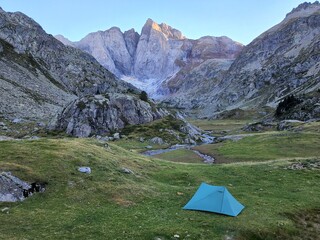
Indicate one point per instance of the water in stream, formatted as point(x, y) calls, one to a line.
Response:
point(206, 158)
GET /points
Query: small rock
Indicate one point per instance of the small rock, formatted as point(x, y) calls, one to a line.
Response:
point(126, 170)
point(104, 139)
point(17, 120)
point(5, 210)
point(176, 236)
point(41, 124)
point(2, 124)
point(5, 138)
point(116, 136)
point(34, 138)
point(84, 170)
point(141, 139)
point(5, 128)
point(190, 141)
point(148, 147)
point(157, 140)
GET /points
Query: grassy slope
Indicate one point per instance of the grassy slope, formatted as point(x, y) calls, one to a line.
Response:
point(180, 155)
point(111, 205)
point(264, 147)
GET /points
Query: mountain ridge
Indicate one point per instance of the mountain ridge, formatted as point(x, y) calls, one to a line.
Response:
point(154, 56)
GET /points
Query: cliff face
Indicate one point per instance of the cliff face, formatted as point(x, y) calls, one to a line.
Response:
point(153, 58)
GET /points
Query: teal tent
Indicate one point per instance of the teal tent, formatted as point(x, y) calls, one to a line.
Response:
point(214, 199)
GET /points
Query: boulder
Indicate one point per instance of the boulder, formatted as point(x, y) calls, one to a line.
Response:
point(102, 114)
point(157, 140)
point(11, 188)
point(126, 170)
point(116, 136)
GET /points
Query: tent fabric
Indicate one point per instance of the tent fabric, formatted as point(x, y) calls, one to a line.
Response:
point(214, 199)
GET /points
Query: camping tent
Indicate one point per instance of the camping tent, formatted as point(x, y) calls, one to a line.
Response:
point(214, 199)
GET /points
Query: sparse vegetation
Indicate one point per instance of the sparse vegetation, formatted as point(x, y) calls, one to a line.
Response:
point(286, 105)
point(157, 128)
point(81, 105)
point(144, 96)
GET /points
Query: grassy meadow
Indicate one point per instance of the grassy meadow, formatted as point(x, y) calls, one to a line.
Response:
point(280, 203)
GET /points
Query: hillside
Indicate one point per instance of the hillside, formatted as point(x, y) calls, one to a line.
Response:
point(40, 77)
point(282, 61)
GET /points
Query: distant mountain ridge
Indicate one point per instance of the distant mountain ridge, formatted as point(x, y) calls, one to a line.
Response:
point(150, 59)
point(283, 60)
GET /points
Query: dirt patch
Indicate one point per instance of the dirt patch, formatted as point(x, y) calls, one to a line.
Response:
point(308, 224)
point(122, 202)
point(307, 227)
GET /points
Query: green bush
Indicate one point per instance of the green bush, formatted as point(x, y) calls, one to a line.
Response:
point(144, 96)
point(286, 105)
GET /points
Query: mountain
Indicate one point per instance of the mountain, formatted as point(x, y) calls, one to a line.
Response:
point(40, 77)
point(156, 58)
point(282, 61)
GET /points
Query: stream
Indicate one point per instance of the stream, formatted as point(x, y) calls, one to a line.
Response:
point(206, 158)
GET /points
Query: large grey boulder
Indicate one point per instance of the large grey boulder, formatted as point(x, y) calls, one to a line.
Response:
point(102, 114)
point(11, 188)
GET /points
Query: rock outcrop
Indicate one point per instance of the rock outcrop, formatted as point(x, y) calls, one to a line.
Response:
point(102, 114)
point(11, 188)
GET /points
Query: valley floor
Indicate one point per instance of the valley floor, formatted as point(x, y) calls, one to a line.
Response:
point(275, 175)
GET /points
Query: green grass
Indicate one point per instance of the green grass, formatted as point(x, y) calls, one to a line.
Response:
point(108, 204)
point(135, 145)
point(262, 147)
point(180, 155)
point(220, 127)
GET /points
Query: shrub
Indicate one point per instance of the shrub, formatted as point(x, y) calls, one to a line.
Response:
point(144, 96)
point(81, 105)
point(286, 105)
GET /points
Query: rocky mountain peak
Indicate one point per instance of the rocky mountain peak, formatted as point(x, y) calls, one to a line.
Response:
point(168, 31)
point(155, 56)
point(64, 40)
point(304, 9)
